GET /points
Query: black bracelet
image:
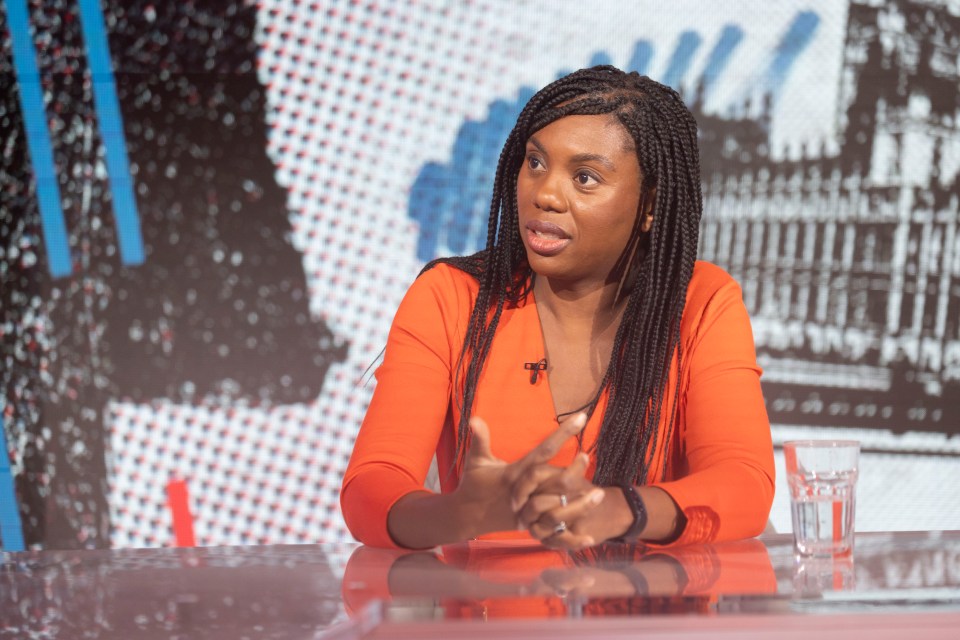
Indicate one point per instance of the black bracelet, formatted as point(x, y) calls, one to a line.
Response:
point(639, 511)
point(639, 581)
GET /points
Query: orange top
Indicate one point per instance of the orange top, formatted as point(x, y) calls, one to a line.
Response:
point(720, 472)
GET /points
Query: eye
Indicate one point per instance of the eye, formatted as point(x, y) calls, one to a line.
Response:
point(585, 179)
point(534, 163)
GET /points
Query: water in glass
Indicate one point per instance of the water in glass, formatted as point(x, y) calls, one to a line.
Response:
point(823, 511)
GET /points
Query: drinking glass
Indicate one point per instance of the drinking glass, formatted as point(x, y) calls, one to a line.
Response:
point(823, 477)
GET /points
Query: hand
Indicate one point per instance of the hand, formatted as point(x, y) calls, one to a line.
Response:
point(482, 501)
point(595, 515)
point(486, 484)
point(555, 506)
point(552, 503)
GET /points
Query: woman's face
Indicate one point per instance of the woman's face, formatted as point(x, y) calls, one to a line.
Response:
point(578, 193)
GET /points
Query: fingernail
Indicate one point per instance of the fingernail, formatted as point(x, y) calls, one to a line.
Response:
point(597, 496)
point(589, 542)
point(514, 505)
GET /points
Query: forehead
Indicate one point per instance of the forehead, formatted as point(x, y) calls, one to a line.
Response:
point(595, 133)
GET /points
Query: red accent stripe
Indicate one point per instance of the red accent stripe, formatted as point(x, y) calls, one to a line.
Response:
point(837, 520)
point(178, 499)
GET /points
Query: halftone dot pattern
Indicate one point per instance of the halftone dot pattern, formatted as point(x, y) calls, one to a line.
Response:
point(361, 96)
point(255, 476)
point(365, 94)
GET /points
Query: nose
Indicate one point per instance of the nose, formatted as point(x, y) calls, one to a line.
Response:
point(549, 194)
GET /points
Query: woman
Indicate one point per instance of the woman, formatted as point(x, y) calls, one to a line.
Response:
point(583, 377)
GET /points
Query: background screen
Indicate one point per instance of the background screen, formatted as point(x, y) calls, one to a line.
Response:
point(210, 211)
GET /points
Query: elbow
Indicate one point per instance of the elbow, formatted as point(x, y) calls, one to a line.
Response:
point(365, 511)
point(347, 511)
point(354, 515)
point(759, 519)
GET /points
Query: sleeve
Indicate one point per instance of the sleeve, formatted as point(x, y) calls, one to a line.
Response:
point(402, 426)
point(725, 484)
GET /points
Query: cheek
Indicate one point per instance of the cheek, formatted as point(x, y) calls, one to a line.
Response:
point(615, 216)
point(523, 187)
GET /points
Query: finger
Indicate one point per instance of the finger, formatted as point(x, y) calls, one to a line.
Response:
point(479, 448)
point(548, 479)
point(535, 507)
point(552, 444)
point(547, 525)
point(529, 481)
point(570, 540)
point(573, 475)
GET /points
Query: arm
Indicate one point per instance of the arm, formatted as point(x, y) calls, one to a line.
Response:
point(404, 422)
point(383, 499)
point(725, 482)
point(481, 503)
point(610, 517)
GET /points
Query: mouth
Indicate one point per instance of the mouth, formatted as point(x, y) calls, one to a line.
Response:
point(546, 238)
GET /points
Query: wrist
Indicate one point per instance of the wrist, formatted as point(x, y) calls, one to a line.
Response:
point(472, 518)
point(638, 513)
point(462, 516)
point(617, 514)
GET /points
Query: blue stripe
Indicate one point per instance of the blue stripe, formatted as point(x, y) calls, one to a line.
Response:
point(682, 57)
point(794, 42)
point(11, 533)
point(111, 131)
point(599, 58)
point(719, 57)
point(642, 55)
point(38, 139)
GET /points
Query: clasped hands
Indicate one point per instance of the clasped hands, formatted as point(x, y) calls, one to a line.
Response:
point(557, 505)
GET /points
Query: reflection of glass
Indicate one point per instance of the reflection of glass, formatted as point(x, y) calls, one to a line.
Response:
point(816, 575)
point(484, 579)
point(822, 475)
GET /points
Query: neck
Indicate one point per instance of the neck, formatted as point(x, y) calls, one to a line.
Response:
point(593, 307)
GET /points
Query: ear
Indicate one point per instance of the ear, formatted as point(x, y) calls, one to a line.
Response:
point(646, 203)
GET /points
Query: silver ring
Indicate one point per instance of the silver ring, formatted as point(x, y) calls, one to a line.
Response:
point(563, 499)
point(560, 528)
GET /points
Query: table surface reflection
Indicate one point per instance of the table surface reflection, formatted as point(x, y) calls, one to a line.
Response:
point(895, 584)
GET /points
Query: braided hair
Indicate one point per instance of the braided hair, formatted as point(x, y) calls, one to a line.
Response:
point(658, 263)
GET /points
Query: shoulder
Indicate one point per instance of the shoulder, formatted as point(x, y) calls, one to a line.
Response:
point(707, 281)
point(441, 294)
point(447, 282)
point(711, 291)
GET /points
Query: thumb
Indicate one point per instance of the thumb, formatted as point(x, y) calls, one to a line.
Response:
point(479, 447)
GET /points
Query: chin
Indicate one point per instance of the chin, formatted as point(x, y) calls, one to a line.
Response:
point(549, 268)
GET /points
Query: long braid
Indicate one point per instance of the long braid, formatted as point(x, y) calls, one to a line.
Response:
point(660, 263)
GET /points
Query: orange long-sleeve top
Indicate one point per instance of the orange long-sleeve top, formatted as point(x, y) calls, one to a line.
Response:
point(720, 471)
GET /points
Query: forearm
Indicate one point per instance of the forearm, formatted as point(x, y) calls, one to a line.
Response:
point(728, 501)
point(422, 519)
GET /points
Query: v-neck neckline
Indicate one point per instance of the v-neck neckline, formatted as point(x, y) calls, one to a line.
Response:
point(548, 389)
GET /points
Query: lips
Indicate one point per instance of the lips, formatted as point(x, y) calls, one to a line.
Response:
point(546, 238)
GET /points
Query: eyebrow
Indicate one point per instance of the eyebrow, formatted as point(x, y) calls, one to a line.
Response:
point(580, 157)
point(593, 157)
